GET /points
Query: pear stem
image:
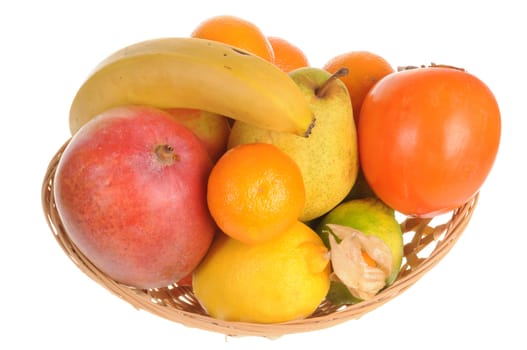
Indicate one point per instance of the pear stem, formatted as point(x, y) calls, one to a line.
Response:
point(321, 91)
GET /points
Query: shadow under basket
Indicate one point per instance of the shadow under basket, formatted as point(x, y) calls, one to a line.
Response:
point(427, 241)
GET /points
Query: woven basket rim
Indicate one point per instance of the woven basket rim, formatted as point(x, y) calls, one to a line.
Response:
point(167, 302)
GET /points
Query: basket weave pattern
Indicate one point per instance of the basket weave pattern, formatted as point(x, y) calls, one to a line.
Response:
point(426, 243)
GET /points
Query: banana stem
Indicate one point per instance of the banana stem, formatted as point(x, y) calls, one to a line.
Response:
point(321, 91)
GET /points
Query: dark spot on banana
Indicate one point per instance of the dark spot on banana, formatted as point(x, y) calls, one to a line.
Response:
point(240, 51)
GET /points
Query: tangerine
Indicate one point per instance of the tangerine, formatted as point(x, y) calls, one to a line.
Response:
point(365, 70)
point(237, 32)
point(255, 192)
point(287, 56)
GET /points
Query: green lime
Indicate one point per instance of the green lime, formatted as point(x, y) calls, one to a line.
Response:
point(372, 217)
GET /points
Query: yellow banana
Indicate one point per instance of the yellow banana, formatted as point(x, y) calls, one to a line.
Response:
point(195, 73)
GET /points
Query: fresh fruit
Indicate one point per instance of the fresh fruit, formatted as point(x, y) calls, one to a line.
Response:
point(428, 138)
point(280, 280)
point(199, 74)
point(328, 158)
point(212, 129)
point(255, 192)
point(365, 70)
point(237, 32)
point(130, 189)
point(287, 56)
point(360, 262)
point(371, 217)
point(207, 163)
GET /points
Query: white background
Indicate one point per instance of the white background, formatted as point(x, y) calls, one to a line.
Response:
point(475, 297)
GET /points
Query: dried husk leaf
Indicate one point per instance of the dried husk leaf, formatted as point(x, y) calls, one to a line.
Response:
point(362, 280)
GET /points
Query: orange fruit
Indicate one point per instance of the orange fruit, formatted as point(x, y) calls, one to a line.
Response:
point(287, 56)
point(255, 192)
point(237, 32)
point(365, 70)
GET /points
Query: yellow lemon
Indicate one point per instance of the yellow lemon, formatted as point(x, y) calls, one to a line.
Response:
point(279, 280)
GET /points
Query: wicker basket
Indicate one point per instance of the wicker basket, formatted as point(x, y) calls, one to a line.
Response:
point(427, 241)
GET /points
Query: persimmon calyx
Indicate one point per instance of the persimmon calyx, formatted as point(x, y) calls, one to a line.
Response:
point(362, 263)
point(432, 65)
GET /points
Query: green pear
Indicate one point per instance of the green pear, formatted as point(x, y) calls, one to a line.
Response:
point(327, 158)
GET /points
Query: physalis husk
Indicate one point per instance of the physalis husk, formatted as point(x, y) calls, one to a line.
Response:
point(362, 263)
